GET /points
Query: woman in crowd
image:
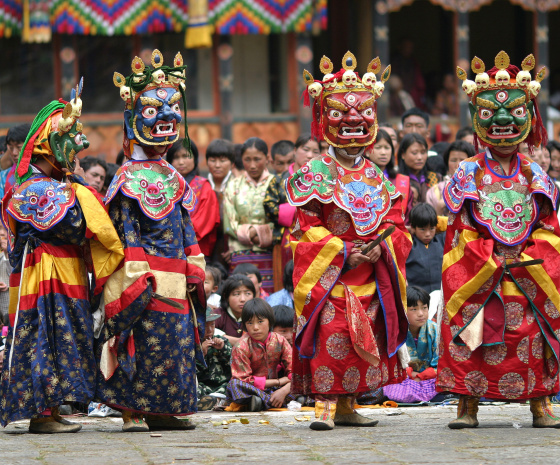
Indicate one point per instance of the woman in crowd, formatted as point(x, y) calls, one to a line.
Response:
point(413, 154)
point(250, 233)
point(205, 214)
point(455, 154)
point(279, 211)
point(383, 155)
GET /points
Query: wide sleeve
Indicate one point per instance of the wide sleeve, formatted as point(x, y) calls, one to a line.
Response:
point(129, 289)
point(241, 363)
point(206, 218)
point(286, 358)
point(231, 218)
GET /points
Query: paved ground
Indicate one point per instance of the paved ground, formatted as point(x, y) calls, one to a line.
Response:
point(413, 436)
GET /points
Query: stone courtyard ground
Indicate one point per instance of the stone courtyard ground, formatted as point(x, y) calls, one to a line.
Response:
point(404, 436)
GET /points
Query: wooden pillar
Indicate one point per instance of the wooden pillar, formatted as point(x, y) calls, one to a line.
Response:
point(225, 60)
point(541, 49)
point(304, 59)
point(68, 71)
point(462, 59)
point(380, 22)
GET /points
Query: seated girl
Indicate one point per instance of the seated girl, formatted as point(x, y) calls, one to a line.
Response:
point(255, 361)
point(238, 289)
point(422, 348)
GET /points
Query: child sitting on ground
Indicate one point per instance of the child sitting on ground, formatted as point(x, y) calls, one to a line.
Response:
point(238, 289)
point(214, 378)
point(422, 348)
point(423, 265)
point(212, 282)
point(254, 363)
point(284, 322)
point(253, 273)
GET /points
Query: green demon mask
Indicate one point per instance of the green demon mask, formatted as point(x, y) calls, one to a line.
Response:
point(502, 117)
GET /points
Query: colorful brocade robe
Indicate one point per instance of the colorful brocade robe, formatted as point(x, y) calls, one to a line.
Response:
point(149, 350)
point(63, 248)
point(350, 323)
point(500, 325)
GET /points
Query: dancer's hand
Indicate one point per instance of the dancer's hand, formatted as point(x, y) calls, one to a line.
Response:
point(374, 254)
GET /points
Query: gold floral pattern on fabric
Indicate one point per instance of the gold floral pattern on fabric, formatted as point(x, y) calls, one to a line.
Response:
point(373, 377)
point(476, 383)
point(338, 345)
point(531, 380)
point(494, 355)
point(323, 379)
point(511, 385)
point(551, 309)
point(523, 350)
point(514, 315)
point(351, 379)
point(327, 313)
point(537, 346)
point(338, 222)
point(329, 277)
point(446, 378)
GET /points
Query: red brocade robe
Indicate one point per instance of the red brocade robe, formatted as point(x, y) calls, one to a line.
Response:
point(500, 326)
point(350, 323)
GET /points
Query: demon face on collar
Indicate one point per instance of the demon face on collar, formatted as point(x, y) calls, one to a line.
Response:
point(155, 117)
point(502, 117)
point(349, 119)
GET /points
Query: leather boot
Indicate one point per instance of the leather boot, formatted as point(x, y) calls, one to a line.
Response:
point(55, 413)
point(168, 423)
point(49, 425)
point(466, 413)
point(543, 416)
point(347, 416)
point(134, 422)
point(324, 414)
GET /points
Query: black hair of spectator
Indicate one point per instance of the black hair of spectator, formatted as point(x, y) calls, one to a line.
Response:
point(423, 215)
point(288, 277)
point(416, 112)
point(237, 154)
point(553, 145)
point(390, 168)
point(259, 308)
point(234, 282)
point(283, 316)
point(435, 163)
point(282, 148)
point(223, 272)
point(216, 274)
point(304, 139)
point(254, 142)
point(18, 134)
point(386, 125)
point(219, 148)
point(111, 170)
point(3, 145)
point(463, 132)
point(120, 157)
point(247, 269)
point(458, 146)
point(439, 148)
point(174, 149)
point(407, 141)
point(415, 294)
point(89, 162)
